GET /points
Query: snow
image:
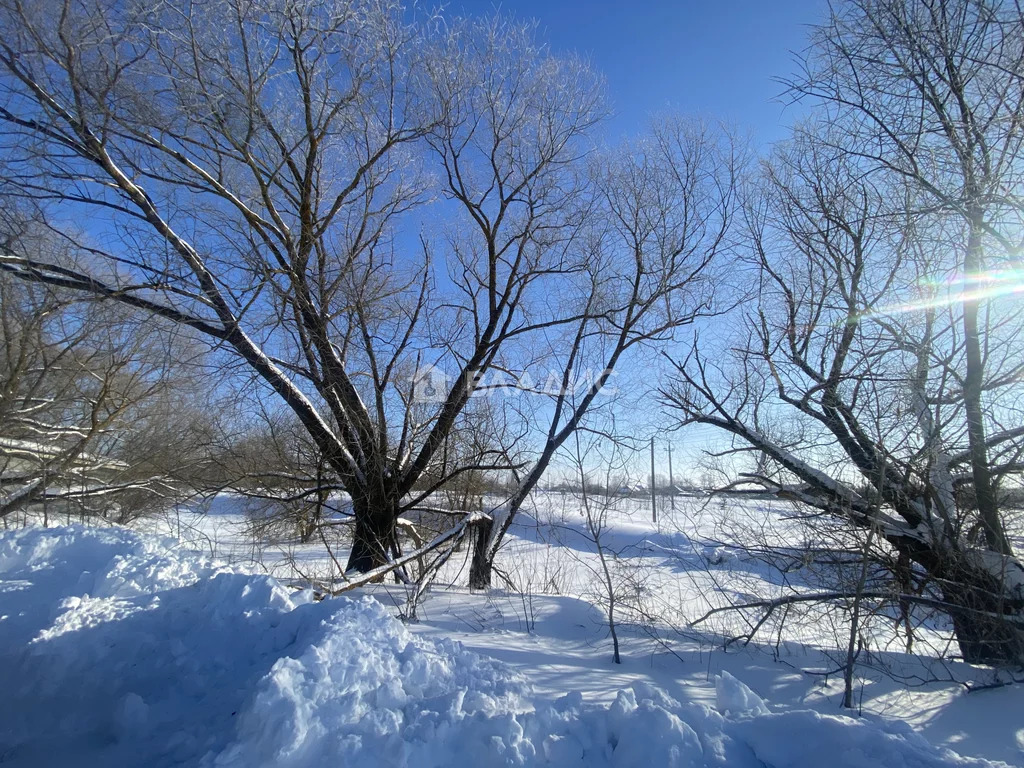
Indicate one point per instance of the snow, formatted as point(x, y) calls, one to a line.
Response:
point(733, 697)
point(549, 622)
point(119, 648)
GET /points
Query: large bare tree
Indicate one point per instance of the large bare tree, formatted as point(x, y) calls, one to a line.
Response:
point(933, 93)
point(253, 170)
point(880, 373)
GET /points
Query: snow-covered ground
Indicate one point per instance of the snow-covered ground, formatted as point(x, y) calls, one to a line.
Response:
point(123, 649)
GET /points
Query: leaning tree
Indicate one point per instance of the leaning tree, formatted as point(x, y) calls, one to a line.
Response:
point(880, 372)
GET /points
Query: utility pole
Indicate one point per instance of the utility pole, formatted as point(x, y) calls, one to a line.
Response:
point(654, 497)
point(671, 479)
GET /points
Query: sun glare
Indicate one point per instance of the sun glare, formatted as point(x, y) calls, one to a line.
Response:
point(991, 284)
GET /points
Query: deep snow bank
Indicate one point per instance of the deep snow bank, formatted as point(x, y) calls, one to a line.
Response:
point(120, 649)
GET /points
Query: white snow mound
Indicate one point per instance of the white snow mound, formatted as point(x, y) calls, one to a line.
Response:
point(122, 649)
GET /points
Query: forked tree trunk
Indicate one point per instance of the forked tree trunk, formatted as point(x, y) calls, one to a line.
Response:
point(375, 535)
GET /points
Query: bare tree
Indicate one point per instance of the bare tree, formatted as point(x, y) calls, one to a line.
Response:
point(73, 377)
point(653, 255)
point(247, 169)
point(596, 508)
point(851, 376)
point(290, 492)
point(933, 93)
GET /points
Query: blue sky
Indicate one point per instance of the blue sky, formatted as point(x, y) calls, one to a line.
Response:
point(715, 60)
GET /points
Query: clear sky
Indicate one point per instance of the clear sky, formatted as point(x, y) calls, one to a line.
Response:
point(713, 59)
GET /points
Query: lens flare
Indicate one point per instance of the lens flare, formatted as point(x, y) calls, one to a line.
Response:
point(958, 289)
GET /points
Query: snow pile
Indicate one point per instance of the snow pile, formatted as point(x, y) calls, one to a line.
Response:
point(734, 698)
point(119, 649)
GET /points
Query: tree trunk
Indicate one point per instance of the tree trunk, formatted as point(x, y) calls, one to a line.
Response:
point(987, 621)
point(482, 564)
point(988, 510)
point(375, 532)
point(985, 605)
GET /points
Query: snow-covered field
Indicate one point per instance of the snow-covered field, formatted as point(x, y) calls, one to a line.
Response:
point(196, 648)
